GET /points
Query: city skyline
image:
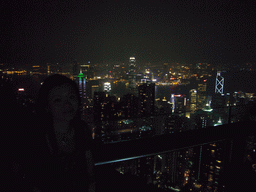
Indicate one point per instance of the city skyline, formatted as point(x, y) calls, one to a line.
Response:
point(48, 32)
point(149, 121)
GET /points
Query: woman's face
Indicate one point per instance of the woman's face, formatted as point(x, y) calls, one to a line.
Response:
point(63, 103)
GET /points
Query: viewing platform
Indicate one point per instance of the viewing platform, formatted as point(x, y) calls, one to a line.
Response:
point(234, 136)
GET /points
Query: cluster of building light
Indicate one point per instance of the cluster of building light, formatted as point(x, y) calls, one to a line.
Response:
point(145, 128)
point(107, 86)
point(218, 123)
point(126, 121)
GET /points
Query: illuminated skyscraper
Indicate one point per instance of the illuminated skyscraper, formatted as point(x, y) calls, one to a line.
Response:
point(201, 94)
point(211, 165)
point(85, 69)
point(132, 65)
point(179, 104)
point(82, 87)
point(107, 87)
point(219, 83)
point(132, 75)
point(192, 94)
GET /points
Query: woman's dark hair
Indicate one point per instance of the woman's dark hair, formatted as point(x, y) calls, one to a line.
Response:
point(44, 117)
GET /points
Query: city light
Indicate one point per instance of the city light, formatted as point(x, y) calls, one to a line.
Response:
point(127, 121)
point(208, 110)
point(160, 157)
point(197, 105)
point(218, 123)
point(107, 86)
point(174, 189)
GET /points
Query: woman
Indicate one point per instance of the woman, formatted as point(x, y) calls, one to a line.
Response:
point(61, 158)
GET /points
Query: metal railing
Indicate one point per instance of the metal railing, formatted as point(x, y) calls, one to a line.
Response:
point(233, 134)
point(121, 151)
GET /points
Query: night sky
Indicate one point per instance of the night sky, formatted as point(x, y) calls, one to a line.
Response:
point(216, 32)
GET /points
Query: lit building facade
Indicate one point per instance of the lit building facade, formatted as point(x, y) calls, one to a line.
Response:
point(193, 99)
point(211, 167)
point(84, 68)
point(201, 93)
point(105, 111)
point(146, 99)
point(129, 106)
point(219, 85)
point(180, 103)
point(107, 87)
point(132, 75)
point(82, 87)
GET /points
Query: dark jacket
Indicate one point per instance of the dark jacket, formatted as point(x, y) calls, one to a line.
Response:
point(44, 170)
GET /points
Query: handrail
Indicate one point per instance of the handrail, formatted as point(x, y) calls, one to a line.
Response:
point(114, 152)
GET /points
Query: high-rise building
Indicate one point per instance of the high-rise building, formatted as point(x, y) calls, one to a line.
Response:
point(218, 101)
point(104, 106)
point(95, 88)
point(146, 99)
point(132, 75)
point(107, 87)
point(219, 85)
point(81, 81)
point(129, 105)
point(212, 163)
point(179, 104)
point(192, 99)
point(85, 69)
point(201, 93)
point(132, 65)
point(204, 118)
point(104, 109)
